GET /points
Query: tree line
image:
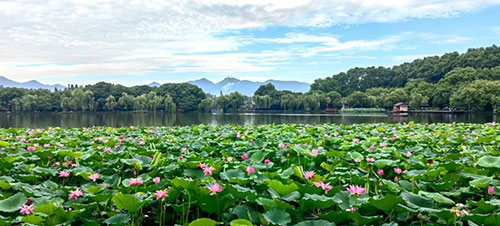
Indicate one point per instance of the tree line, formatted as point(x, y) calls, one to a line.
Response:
point(469, 81)
point(103, 97)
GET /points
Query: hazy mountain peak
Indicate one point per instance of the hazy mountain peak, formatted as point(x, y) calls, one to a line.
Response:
point(245, 87)
point(33, 84)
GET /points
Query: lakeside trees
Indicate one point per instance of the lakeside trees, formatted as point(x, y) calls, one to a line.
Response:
point(103, 97)
point(466, 81)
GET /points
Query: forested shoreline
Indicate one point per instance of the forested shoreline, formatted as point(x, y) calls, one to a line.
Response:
point(469, 81)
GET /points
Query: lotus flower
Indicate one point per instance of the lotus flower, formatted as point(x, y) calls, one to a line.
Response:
point(380, 172)
point(94, 176)
point(356, 190)
point(398, 170)
point(156, 180)
point(75, 194)
point(355, 140)
point(250, 170)
point(281, 145)
point(491, 190)
point(409, 154)
point(26, 209)
point(135, 181)
point(31, 149)
point(208, 170)
point(244, 156)
point(309, 175)
point(267, 161)
point(326, 187)
point(215, 188)
point(161, 194)
point(370, 159)
point(63, 173)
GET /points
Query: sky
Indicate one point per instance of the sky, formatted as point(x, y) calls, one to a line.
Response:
point(133, 42)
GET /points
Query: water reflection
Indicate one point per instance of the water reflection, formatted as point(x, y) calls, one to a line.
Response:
point(124, 119)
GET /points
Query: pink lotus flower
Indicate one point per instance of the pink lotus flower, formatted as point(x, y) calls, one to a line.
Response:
point(25, 209)
point(491, 190)
point(372, 147)
point(63, 173)
point(357, 160)
point(326, 187)
point(46, 145)
point(409, 154)
point(250, 170)
point(281, 145)
point(370, 159)
point(142, 143)
point(202, 165)
point(215, 188)
point(244, 156)
point(94, 176)
point(382, 145)
point(314, 152)
point(267, 161)
point(31, 149)
point(188, 179)
point(156, 180)
point(309, 174)
point(398, 170)
point(161, 194)
point(75, 194)
point(135, 181)
point(356, 190)
point(396, 179)
point(184, 150)
point(380, 172)
point(229, 159)
point(208, 170)
point(356, 140)
point(107, 150)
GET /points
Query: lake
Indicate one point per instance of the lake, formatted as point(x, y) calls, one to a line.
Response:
point(125, 119)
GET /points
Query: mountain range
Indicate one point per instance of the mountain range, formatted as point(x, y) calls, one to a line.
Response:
point(33, 84)
point(226, 86)
point(245, 87)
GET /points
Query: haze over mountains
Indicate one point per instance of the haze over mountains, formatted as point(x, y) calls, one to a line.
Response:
point(33, 84)
point(226, 86)
point(245, 87)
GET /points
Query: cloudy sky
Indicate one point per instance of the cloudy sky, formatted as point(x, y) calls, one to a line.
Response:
point(137, 42)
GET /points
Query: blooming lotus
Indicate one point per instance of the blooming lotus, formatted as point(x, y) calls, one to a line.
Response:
point(356, 190)
point(26, 209)
point(357, 160)
point(31, 149)
point(215, 188)
point(208, 170)
point(314, 152)
point(135, 181)
point(380, 172)
point(94, 176)
point(75, 194)
point(326, 187)
point(370, 159)
point(156, 180)
point(244, 156)
point(63, 173)
point(382, 145)
point(398, 170)
point(309, 175)
point(161, 194)
point(356, 140)
point(409, 154)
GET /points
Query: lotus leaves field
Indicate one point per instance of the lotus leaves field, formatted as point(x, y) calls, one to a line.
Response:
point(365, 174)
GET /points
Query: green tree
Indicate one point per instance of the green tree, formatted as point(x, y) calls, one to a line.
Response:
point(206, 105)
point(359, 99)
point(111, 103)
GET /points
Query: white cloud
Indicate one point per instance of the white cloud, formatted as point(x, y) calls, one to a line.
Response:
point(137, 37)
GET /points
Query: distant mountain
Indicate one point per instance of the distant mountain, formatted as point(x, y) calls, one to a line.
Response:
point(154, 84)
point(245, 87)
point(33, 84)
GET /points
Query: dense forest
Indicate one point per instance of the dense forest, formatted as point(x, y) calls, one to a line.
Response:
point(468, 81)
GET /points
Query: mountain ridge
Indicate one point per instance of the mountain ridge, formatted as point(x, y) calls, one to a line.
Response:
point(32, 84)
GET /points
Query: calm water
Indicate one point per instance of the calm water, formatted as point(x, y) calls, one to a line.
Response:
point(125, 119)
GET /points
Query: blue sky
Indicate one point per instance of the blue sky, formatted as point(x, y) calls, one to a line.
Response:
point(138, 42)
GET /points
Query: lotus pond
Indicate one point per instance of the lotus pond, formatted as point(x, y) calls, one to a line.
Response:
point(364, 174)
